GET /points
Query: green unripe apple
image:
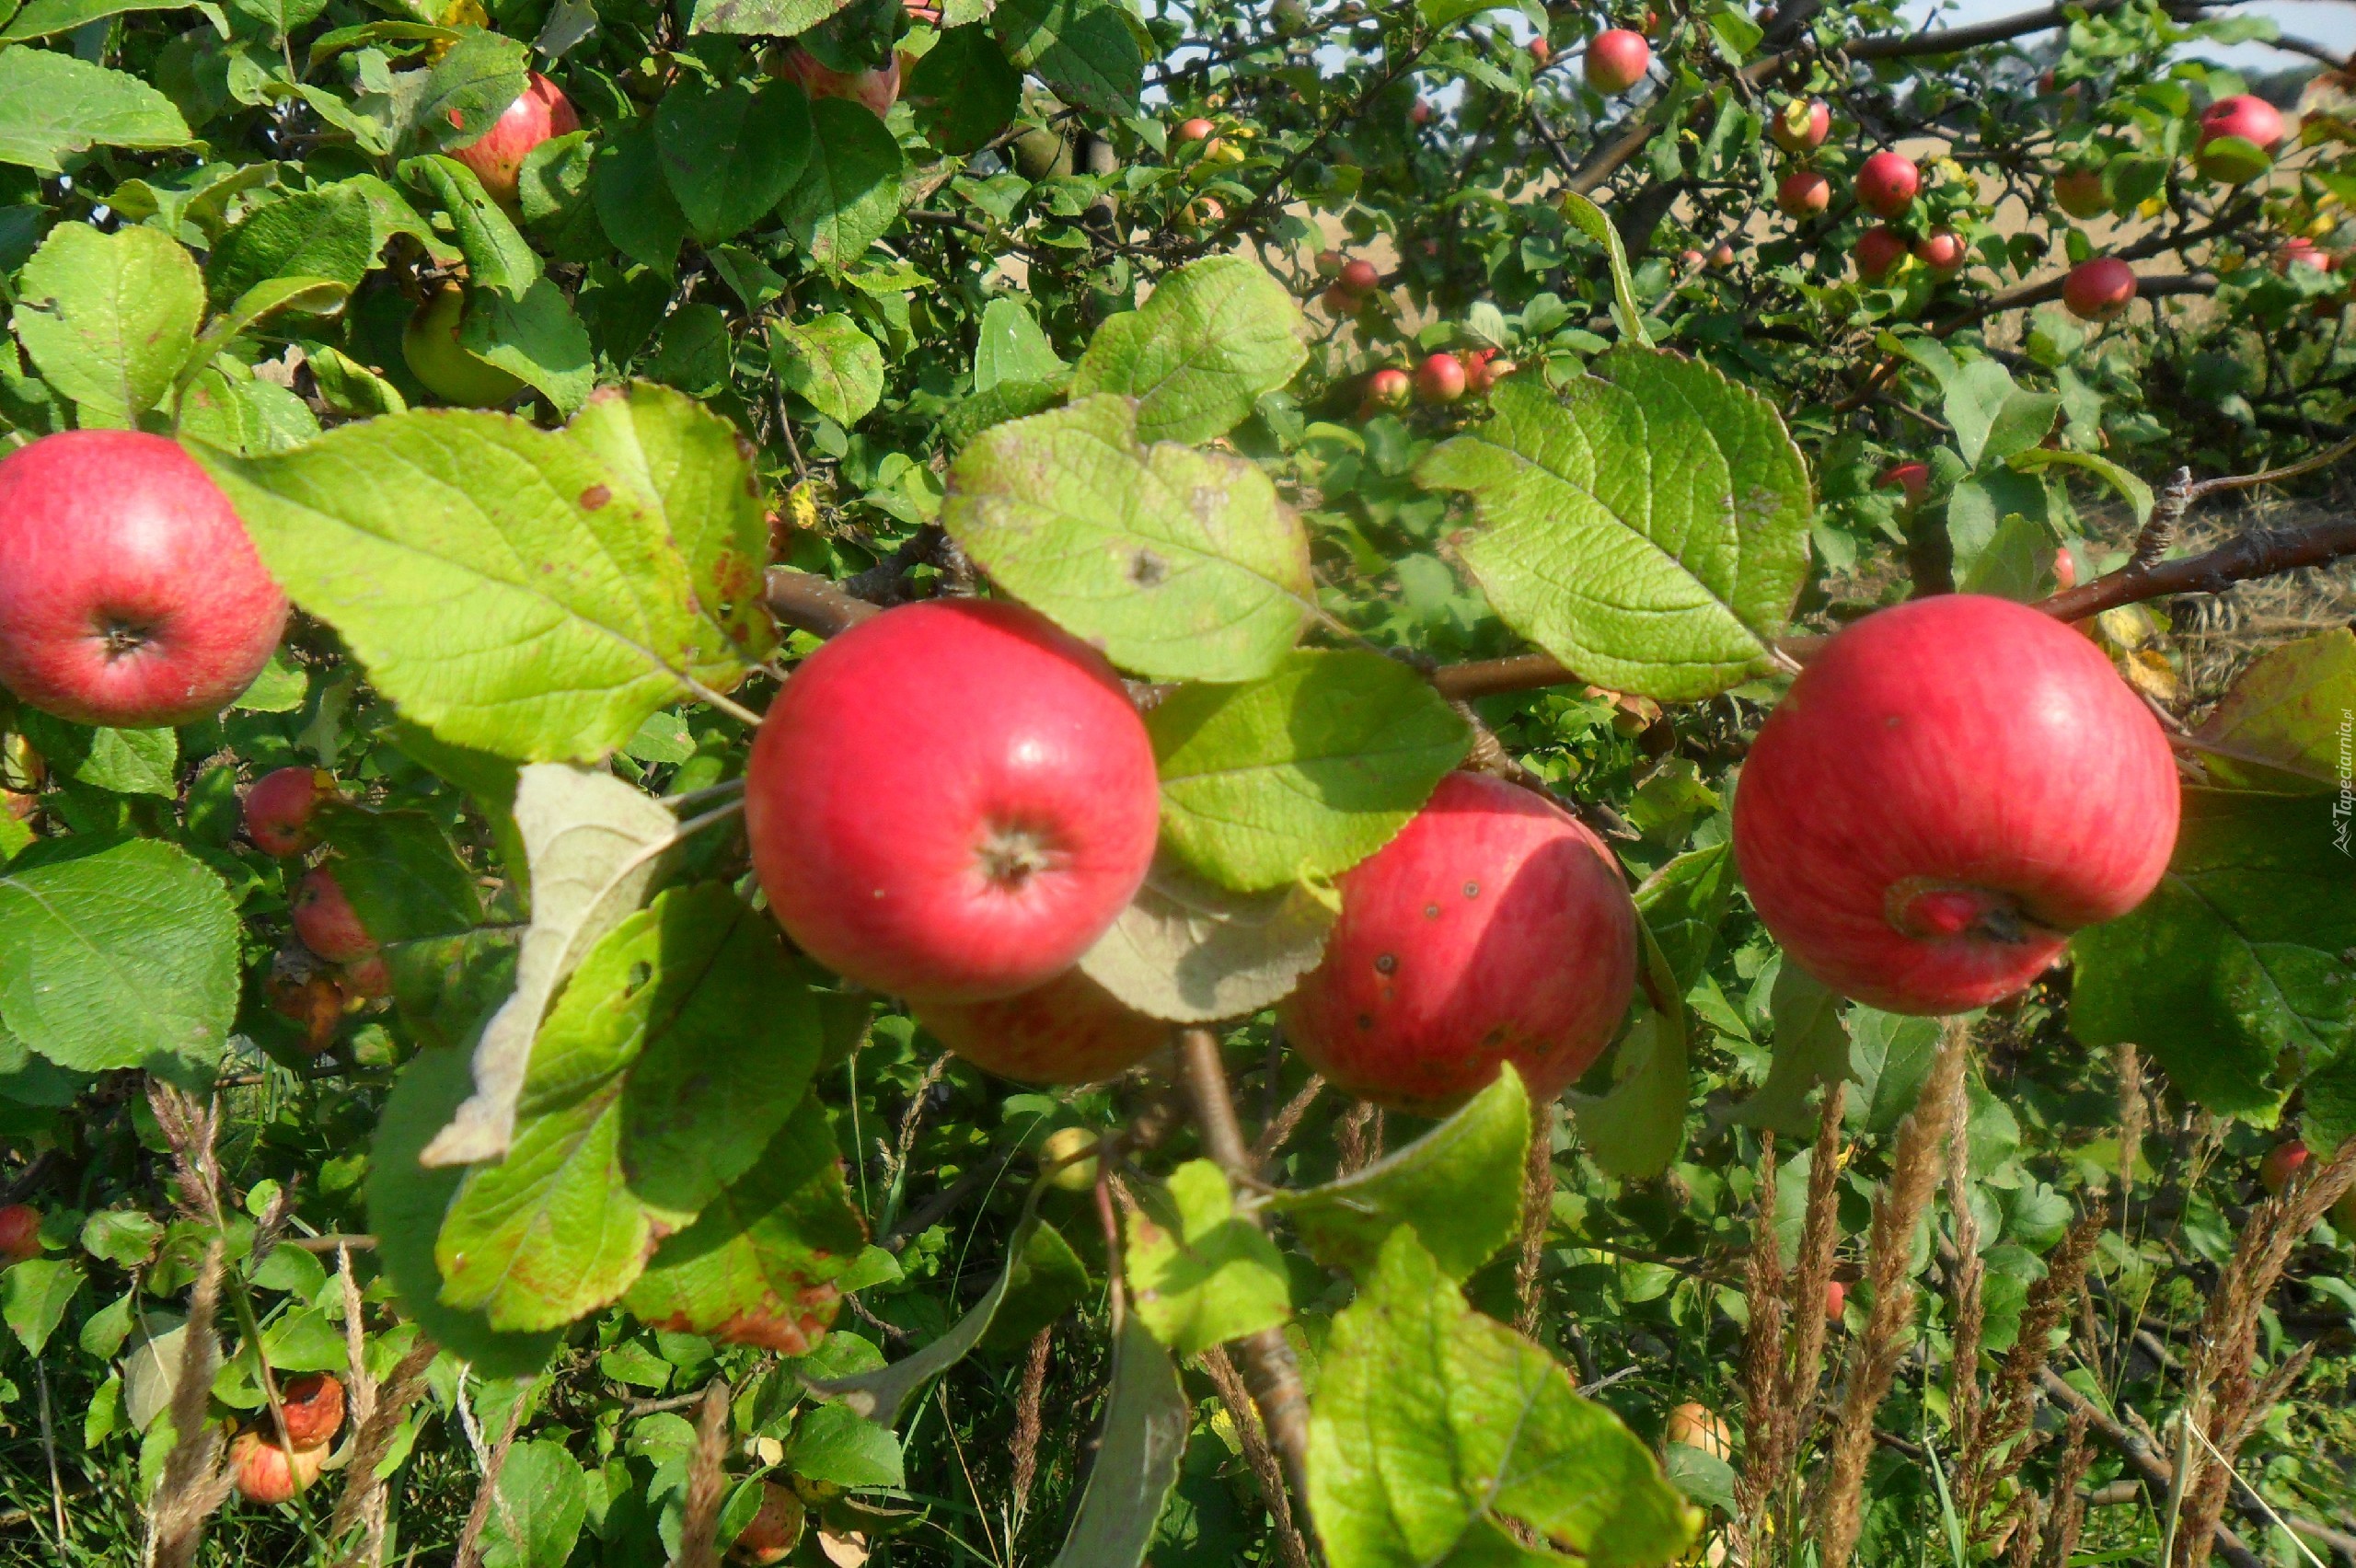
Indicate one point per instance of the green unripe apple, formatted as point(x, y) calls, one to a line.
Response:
point(430, 345)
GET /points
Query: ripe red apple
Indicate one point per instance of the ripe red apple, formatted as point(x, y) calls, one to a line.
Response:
point(2098, 290)
point(1202, 213)
point(1419, 112)
point(326, 921)
point(2252, 119)
point(1195, 130)
point(2079, 192)
point(1804, 193)
point(877, 89)
point(1691, 261)
point(1484, 369)
point(1068, 1031)
point(2065, 569)
point(1801, 125)
point(1836, 1299)
point(497, 156)
point(313, 1001)
point(2281, 1162)
point(1386, 388)
point(129, 594)
point(2301, 251)
point(20, 1234)
point(313, 1406)
point(1439, 379)
point(770, 1537)
point(1723, 256)
point(1495, 928)
point(1359, 276)
point(1699, 1427)
point(952, 801)
point(1617, 60)
point(368, 979)
point(278, 809)
point(1914, 479)
point(1542, 53)
point(1340, 301)
point(1887, 183)
point(268, 1474)
point(1942, 251)
point(1950, 789)
point(431, 349)
point(1877, 252)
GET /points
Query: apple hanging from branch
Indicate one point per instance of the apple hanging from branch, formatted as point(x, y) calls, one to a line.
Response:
point(540, 114)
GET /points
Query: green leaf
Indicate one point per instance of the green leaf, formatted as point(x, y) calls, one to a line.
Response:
point(1009, 347)
point(677, 1050)
point(1635, 1128)
point(1889, 1055)
point(2281, 724)
point(47, 18)
point(54, 107)
point(116, 955)
point(327, 234)
point(1458, 1187)
point(129, 762)
point(633, 199)
point(834, 1444)
point(1651, 530)
point(537, 339)
point(1592, 222)
point(1215, 335)
point(406, 1203)
point(963, 90)
point(1147, 1416)
point(1083, 50)
point(497, 586)
point(2243, 953)
point(1191, 951)
point(1684, 904)
point(398, 872)
point(1179, 564)
point(542, 1501)
point(469, 88)
point(1199, 1275)
point(34, 1295)
point(1811, 1052)
point(108, 318)
point(1303, 774)
point(730, 153)
point(1435, 1433)
point(243, 413)
point(761, 18)
point(279, 19)
point(499, 258)
point(2130, 490)
point(760, 1264)
point(1045, 1280)
point(849, 193)
point(830, 363)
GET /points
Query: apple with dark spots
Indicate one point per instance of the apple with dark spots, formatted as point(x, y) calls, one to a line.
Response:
point(1803, 193)
point(312, 1406)
point(1887, 183)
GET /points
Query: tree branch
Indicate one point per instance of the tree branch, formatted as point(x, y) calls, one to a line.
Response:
point(2261, 552)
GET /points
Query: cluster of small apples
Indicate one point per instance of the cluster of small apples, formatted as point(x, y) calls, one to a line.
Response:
point(1439, 378)
point(271, 1467)
point(279, 814)
point(2286, 1160)
point(1352, 282)
point(1220, 150)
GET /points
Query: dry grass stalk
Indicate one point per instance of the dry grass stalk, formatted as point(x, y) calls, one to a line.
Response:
point(2013, 1405)
point(1915, 1175)
point(195, 1481)
point(707, 1481)
point(1258, 1453)
point(2067, 1514)
point(1537, 1214)
point(1762, 1348)
point(361, 1503)
point(469, 1552)
point(2222, 1396)
point(1026, 1418)
point(1965, 1282)
point(1819, 1238)
point(2134, 1114)
point(1349, 1137)
point(1280, 1128)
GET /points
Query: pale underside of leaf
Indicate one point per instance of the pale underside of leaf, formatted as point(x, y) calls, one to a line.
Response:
point(1190, 952)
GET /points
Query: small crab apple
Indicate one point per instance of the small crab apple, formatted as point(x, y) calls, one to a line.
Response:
point(2079, 192)
point(1942, 251)
point(1019, 827)
point(1359, 276)
point(1419, 112)
point(1195, 130)
point(1951, 787)
point(2098, 290)
point(1804, 193)
point(2301, 251)
point(1617, 60)
point(1341, 302)
point(326, 921)
point(313, 1000)
point(1877, 252)
point(1699, 1427)
point(1541, 53)
point(875, 89)
point(774, 1530)
point(448, 368)
point(1439, 378)
point(540, 114)
point(1202, 213)
point(1390, 387)
point(313, 1408)
point(2252, 119)
point(2281, 1162)
point(268, 1473)
point(1914, 479)
point(1061, 1152)
point(1887, 183)
point(19, 1233)
point(278, 809)
point(1836, 1299)
point(1691, 261)
point(1801, 125)
point(1723, 255)
point(1494, 928)
point(129, 594)
point(1068, 1031)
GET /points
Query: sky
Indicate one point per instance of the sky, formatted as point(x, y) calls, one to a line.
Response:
point(2327, 22)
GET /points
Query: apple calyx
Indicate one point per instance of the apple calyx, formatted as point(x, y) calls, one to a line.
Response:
point(1928, 909)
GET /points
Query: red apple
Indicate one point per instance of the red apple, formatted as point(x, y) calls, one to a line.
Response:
point(2079, 192)
point(1195, 130)
point(1801, 125)
point(1617, 60)
point(268, 1474)
point(1887, 183)
point(2301, 251)
point(129, 594)
point(2098, 290)
point(1484, 369)
point(1836, 1299)
point(877, 89)
point(2252, 119)
point(313, 1406)
point(1386, 388)
point(368, 979)
point(1439, 379)
point(1201, 214)
point(1804, 193)
point(278, 809)
point(1691, 261)
point(1541, 53)
point(1914, 479)
point(770, 1537)
point(497, 156)
point(1419, 112)
point(19, 1233)
point(326, 921)
point(315, 1001)
point(1068, 1031)
point(1699, 1427)
point(1942, 251)
point(1877, 252)
point(952, 801)
point(1359, 276)
point(1495, 928)
point(2281, 1162)
point(1951, 788)
point(1723, 256)
point(452, 373)
point(1340, 301)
